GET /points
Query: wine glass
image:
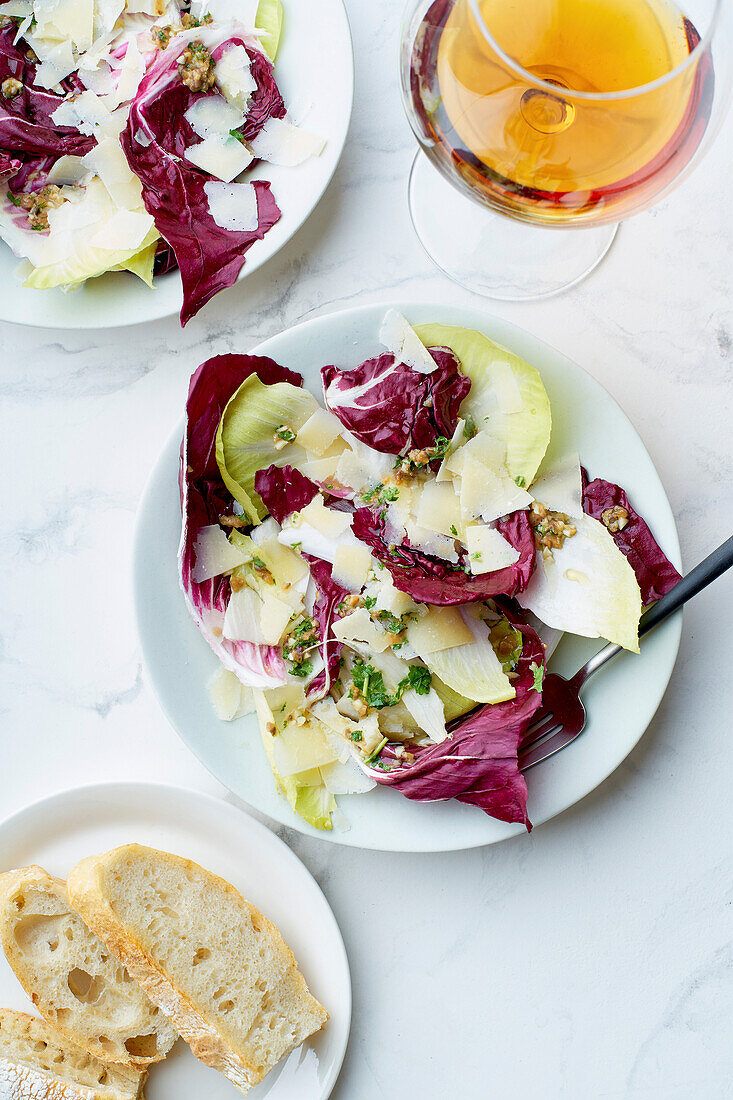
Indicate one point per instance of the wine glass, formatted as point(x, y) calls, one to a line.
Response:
point(563, 115)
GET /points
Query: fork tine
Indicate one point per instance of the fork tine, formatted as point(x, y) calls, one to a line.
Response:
point(547, 748)
point(539, 729)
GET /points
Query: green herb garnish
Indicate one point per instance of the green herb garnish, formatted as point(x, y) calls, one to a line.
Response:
point(538, 675)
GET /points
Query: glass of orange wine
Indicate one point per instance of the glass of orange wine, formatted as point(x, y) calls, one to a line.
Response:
point(565, 116)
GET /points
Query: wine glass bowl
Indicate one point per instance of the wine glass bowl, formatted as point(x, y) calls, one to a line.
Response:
point(561, 113)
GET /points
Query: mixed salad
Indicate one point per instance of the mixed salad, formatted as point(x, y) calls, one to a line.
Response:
point(127, 130)
point(384, 578)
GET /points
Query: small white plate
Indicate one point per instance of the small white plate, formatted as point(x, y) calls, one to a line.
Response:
point(59, 831)
point(621, 699)
point(315, 73)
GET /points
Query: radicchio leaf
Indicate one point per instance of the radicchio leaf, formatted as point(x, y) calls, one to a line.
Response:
point(654, 571)
point(204, 499)
point(325, 611)
point(284, 490)
point(477, 763)
point(397, 408)
point(209, 257)
point(26, 127)
point(435, 581)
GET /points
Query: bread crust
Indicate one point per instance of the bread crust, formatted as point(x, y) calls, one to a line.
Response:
point(21, 1079)
point(86, 895)
point(39, 990)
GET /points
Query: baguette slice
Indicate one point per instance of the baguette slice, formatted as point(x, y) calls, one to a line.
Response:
point(36, 1063)
point(74, 982)
point(218, 969)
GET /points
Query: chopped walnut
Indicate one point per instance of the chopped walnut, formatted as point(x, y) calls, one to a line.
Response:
point(238, 522)
point(352, 601)
point(161, 36)
point(31, 56)
point(11, 88)
point(271, 728)
point(237, 582)
point(188, 21)
point(262, 571)
point(38, 204)
point(550, 528)
point(196, 67)
point(615, 519)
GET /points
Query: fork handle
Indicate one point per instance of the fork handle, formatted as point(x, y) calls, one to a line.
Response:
point(700, 577)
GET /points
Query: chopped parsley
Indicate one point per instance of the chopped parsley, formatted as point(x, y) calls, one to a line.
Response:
point(469, 428)
point(381, 494)
point(390, 622)
point(285, 433)
point(356, 735)
point(237, 134)
point(453, 530)
point(369, 602)
point(375, 752)
point(538, 675)
point(303, 669)
point(370, 684)
point(520, 481)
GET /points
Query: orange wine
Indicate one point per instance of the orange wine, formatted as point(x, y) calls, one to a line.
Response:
point(543, 152)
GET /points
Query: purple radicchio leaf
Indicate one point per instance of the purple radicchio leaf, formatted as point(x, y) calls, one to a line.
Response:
point(157, 134)
point(654, 571)
point(477, 763)
point(204, 498)
point(435, 581)
point(397, 408)
point(26, 127)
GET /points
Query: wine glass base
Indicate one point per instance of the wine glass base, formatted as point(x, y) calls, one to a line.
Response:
point(494, 255)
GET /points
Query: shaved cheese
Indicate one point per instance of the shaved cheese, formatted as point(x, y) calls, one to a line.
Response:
point(223, 159)
point(321, 469)
point(312, 541)
point(275, 616)
point(67, 170)
point(212, 115)
point(57, 65)
point(108, 161)
point(69, 20)
point(560, 487)
point(319, 432)
point(84, 113)
point(390, 598)
point(430, 542)
point(229, 696)
point(326, 520)
point(351, 567)
point(234, 77)
point(488, 550)
point(125, 229)
point(131, 72)
point(244, 11)
point(233, 205)
point(458, 439)
point(280, 142)
point(361, 468)
point(399, 337)
point(214, 554)
point(359, 627)
point(297, 749)
point(286, 566)
point(441, 628)
point(439, 509)
point(488, 494)
point(17, 8)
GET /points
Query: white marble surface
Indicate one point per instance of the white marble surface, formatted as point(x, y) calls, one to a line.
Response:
point(592, 959)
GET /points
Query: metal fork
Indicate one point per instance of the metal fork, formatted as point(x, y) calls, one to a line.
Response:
point(563, 716)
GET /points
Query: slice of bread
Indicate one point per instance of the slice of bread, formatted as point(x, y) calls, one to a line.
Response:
point(75, 983)
point(36, 1063)
point(219, 969)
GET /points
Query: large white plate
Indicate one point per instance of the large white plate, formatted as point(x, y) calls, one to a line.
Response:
point(59, 831)
point(621, 700)
point(315, 73)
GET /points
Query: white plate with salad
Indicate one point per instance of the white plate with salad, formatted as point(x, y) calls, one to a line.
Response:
point(155, 152)
point(389, 520)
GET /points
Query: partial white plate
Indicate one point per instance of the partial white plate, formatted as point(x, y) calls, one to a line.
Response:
point(621, 700)
point(59, 831)
point(315, 73)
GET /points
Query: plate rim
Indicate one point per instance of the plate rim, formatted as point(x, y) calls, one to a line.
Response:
point(15, 820)
point(448, 311)
point(90, 325)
